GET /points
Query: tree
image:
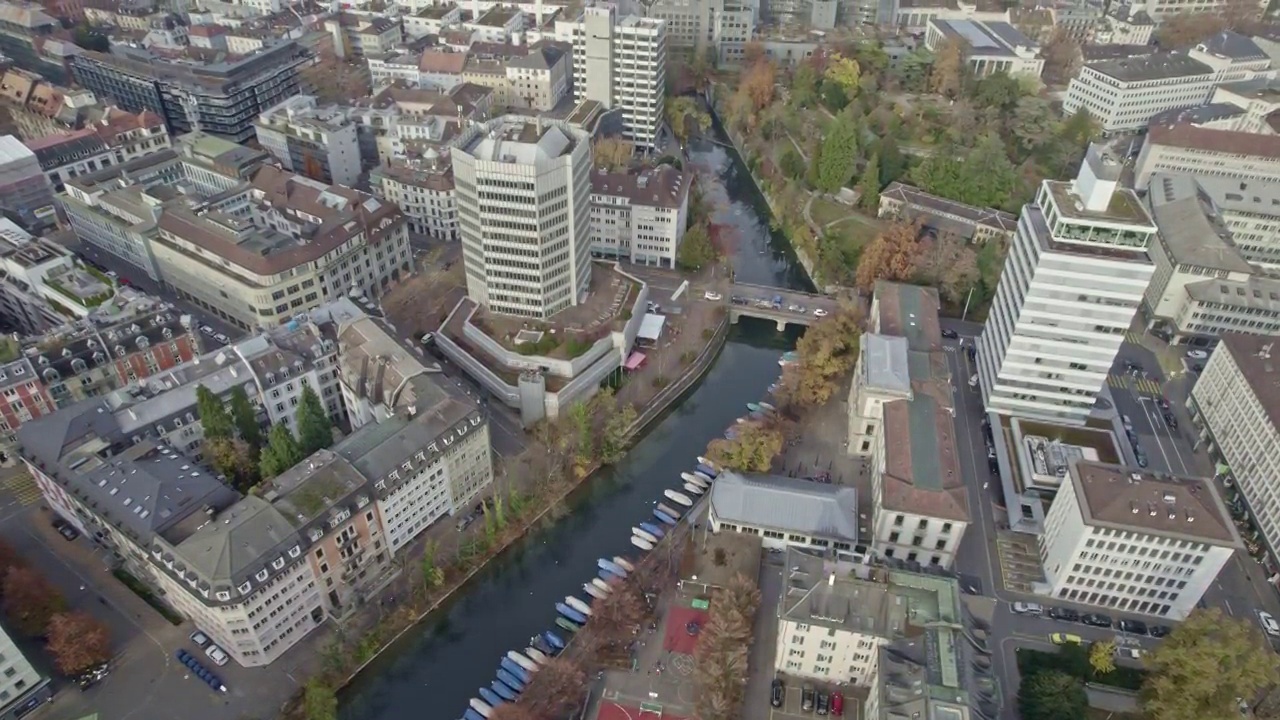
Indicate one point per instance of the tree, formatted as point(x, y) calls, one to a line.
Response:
point(987, 177)
point(1033, 123)
point(696, 251)
point(839, 154)
point(757, 83)
point(869, 186)
point(914, 70)
point(792, 164)
point(612, 153)
point(512, 711)
point(432, 575)
point(721, 652)
point(1062, 57)
point(1189, 28)
point(1102, 656)
point(213, 415)
point(30, 601)
point(1204, 665)
point(893, 255)
point(613, 446)
point(9, 558)
point(844, 72)
point(315, 429)
point(946, 77)
point(77, 642)
point(998, 90)
point(685, 115)
point(620, 613)
point(893, 162)
point(1052, 695)
point(804, 85)
point(234, 458)
point(949, 264)
point(833, 96)
point(281, 453)
point(827, 350)
point(752, 450)
point(556, 689)
point(319, 700)
point(245, 418)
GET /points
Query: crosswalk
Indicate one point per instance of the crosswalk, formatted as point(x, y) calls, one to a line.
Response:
point(1133, 337)
point(1142, 386)
point(22, 487)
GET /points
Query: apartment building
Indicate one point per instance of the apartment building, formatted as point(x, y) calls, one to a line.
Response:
point(306, 138)
point(1124, 94)
point(25, 262)
point(1124, 27)
point(540, 79)
point(37, 108)
point(23, 688)
point(30, 38)
point(25, 193)
point(298, 244)
point(1258, 102)
point(714, 28)
point(1207, 152)
point(622, 63)
point(223, 96)
point(509, 174)
point(1235, 406)
point(783, 511)
point(1045, 352)
point(431, 20)
point(974, 224)
point(424, 192)
point(116, 138)
point(1135, 541)
point(400, 125)
point(358, 36)
point(1251, 211)
point(640, 217)
point(1159, 10)
point(991, 47)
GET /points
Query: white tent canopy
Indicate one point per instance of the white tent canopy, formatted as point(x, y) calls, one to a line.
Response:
point(651, 327)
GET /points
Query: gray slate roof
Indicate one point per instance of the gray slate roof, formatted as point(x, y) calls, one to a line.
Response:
point(240, 541)
point(886, 363)
point(787, 504)
point(1232, 45)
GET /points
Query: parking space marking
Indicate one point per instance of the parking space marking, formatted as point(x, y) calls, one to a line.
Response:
point(23, 488)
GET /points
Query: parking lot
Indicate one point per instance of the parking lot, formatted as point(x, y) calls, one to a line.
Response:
point(793, 701)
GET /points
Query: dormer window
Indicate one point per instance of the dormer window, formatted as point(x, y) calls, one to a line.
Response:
point(245, 588)
point(295, 551)
point(278, 563)
point(261, 575)
point(223, 595)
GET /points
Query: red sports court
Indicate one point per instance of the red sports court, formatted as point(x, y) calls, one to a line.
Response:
point(677, 639)
point(610, 710)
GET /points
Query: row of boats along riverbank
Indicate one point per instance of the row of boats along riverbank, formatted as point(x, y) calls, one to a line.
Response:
point(517, 668)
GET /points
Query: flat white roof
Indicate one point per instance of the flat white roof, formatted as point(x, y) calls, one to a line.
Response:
point(651, 326)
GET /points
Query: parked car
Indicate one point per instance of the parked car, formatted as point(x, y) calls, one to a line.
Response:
point(64, 528)
point(738, 300)
point(824, 703)
point(222, 339)
point(208, 330)
point(200, 639)
point(1130, 653)
point(1197, 368)
point(949, 333)
point(1065, 639)
point(1064, 614)
point(712, 296)
point(1269, 624)
point(1127, 422)
point(216, 654)
point(837, 703)
point(778, 693)
point(1159, 631)
point(819, 312)
point(1133, 627)
point(1096, 620)
point(1197, 354)
point(806, 698)
point(1025, 608)
point(777, 302)
point(1140, 456)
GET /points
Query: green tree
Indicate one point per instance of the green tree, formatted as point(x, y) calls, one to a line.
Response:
point(839, 154)
point(315, 430)
point(1204, 665)
point(833, 96)
point(432, 575)
point(893, 162)
point(686, 117)
point(844, 72)
point(804, 86)
point(616, 428)
point(319, 700)
point(987, 177)
point(1102, 656)
point(998, 90)
point(1033, 123)
point(792, 164)
point(752, 450)
point(281, 452)
point(869, 186)
point(913, 70)
point(245, 418)
point(1052, 695)
point(213, 415)
point(235, 459)
point(696, 250)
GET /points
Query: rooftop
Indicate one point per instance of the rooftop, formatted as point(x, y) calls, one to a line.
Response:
point(1226, 142)
point(661, 186)
point(1125, 208)
point(307, 490)
point(1198, 115)
point(1190, 230)
point(1257, 294)
point(986, 38)
point(1183, 508)
point(787, 504)
point(513, 139)
point(1146, 68)
point(1231, 45)
point(1242, 196)
point(919, 202)
point(909, 311)
point(1252, 354)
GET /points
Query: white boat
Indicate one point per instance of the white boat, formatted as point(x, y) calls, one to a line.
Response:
point(670, 511)
point(594, 591)
point(767, 406)
point(601, 585)
point(522, 661)
point(641, 532)
point(678, 497)
point(481, 707)
point(577, 604)
point(700, 476)
point(624, 563)
point(708, 463)
point(537, 655)
point(641, 543)
point(694, 489)
point(691, 478)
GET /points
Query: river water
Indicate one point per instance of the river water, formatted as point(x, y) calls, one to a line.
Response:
point(437, 668)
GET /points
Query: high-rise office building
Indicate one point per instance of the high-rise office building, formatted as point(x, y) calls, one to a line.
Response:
point(622, 63)
point(26, 197)
point(524, 212)
point(1075, 275)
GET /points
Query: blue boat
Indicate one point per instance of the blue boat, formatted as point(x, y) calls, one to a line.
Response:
point(663, 517)
point(553, 639)
point(471, 714)
point(608, 576)
point(707, 470)
point(652, 529)
point(571, 614)
point(611, 566)
point(730, 434)
point(491, 697)
point(510, 680)
point(503, 691)
point(510, 666)
point(540, 644)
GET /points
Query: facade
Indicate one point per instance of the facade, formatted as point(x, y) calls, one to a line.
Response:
point(1135, 541)
point(117, 138)
point(784, 511)
point(29, 39)
point(26, 197)
point(1251, 212)
point(640, 217)
point(25, 262)
point(1201, 151)
point(540, 79)
point(1124, 94)
point(223, 97)
point(423, 191)
point(318, 142)
point(23, 688)
point(901, 418)
point(1235, 405)
point(990, 46)
point(974, 224)
point(1075, 275)
point(622, 63)
point(1159, 10)
point(524, 214)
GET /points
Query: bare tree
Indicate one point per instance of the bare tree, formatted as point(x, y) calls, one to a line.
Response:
point(556, 689)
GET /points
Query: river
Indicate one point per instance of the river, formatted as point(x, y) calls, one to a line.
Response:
point(437, 668)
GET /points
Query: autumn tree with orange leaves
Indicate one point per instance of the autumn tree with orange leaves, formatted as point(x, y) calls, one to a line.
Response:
point(512, 711)
point(30, 601)
point(77, 642)
point(827, 350)
point(894, 255)
point(556, 690)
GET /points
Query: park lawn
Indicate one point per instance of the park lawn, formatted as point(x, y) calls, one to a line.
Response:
point(1094, 713)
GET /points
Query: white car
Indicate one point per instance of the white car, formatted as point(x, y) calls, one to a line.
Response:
point(222, 339)
point(819, 312)
point(712, 296)
point(208, 330)
point(1269, 624)
point(1131, 653)
point(216, 654)
point(199, 638)
point(1197, 354)
point(1026, 608)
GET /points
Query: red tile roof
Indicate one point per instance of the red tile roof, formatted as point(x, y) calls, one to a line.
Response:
point(1194, 137)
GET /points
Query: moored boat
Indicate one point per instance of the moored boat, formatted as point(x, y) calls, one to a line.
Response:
point(472, 715)
point(624, 563)
point(753, 407)
point(541, 644)
point(577, 604)
point(537, 655)
point(670, 511)
point(594, 591)
point(481, 707)
point(515, 670)
point(664, 517)
point(570, 614)
point(553, 639)
point(511, 681)
point(652, 529)
point(612, 567)
point(678, 497)
point(708, 479)
point(642, 533)
point(695, 489)
point(601, 585)
point(503, 691)
point(566, 625)
point(692, 478)
point(608, 576)
point(492, 698)
point(703, 461)
point(767, 406)
point(707, 470)
point(730, 434)
point(522, 661)
point(641, 543)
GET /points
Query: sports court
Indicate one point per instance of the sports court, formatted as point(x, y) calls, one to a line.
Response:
point(676, 637)
point(610, 710)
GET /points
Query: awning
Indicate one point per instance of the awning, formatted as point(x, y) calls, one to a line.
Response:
point(634, 361)
point(651, 327)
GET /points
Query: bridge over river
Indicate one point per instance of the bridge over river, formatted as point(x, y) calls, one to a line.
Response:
point(783, 306)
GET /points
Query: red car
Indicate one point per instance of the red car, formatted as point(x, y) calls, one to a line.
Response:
point(837, 704)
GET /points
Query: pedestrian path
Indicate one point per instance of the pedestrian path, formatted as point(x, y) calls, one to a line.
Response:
point(1141, 386)
point(22, 487)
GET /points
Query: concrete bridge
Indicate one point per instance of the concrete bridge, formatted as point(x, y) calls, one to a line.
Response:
point(757, 301)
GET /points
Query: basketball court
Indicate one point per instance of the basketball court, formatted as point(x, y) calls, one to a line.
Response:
point(676, 637)
point(610, 710)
